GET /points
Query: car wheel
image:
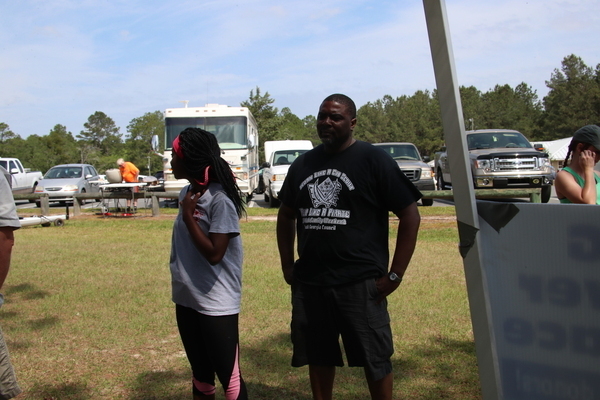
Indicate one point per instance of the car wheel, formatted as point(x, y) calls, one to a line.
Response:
point(38, 204)
point(83, 201)
point(266, 196)
point(427, 202)
point(546, 193)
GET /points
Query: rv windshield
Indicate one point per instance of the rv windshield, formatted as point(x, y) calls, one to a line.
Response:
point(230, 131)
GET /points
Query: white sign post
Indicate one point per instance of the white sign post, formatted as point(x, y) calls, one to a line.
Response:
point(464, 195)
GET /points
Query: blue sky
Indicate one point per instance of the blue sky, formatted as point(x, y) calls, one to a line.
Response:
point(63, 60)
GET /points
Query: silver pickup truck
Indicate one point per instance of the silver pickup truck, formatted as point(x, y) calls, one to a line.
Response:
point(412, 165)
point(501, 158)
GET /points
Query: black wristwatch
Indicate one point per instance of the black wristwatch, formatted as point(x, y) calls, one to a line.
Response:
point(394, 277)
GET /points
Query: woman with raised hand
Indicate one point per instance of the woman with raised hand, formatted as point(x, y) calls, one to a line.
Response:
point(206, 264)
point(577, 182)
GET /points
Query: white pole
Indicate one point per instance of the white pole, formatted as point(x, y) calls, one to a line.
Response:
point(464, 195)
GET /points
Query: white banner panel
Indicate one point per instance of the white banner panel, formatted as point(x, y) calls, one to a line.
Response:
point(541, 266)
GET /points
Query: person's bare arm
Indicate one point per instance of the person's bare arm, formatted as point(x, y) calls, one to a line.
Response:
point(7, 240)
point(567, 187)
point(406, 241)
point(286, 235)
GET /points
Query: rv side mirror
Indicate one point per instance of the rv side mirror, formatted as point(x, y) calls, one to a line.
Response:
point(154, 143)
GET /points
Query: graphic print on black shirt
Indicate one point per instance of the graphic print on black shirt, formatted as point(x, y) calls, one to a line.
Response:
point(324, 194)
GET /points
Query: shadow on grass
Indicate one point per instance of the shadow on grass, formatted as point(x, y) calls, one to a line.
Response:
point(71, 391)
point(440, 369)
point(447, 366)
point(28, 291)
point(268, 362)
point(42, 323)
point(270, 374)
point(160, 386)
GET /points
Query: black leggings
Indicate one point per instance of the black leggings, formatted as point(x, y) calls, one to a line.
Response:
point(212, 347)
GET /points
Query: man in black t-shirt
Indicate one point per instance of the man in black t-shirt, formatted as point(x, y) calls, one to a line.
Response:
point(337, 198)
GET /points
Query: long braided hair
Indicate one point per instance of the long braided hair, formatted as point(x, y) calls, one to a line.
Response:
point(202, 150)
point(572, 147)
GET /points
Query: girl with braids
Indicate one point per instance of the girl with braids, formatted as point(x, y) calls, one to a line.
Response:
point(206, 264)
point(577, 182)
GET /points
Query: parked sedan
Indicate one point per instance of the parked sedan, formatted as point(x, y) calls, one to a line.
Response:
point(61, 182)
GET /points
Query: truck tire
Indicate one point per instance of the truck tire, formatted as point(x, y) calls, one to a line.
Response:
point(546, 193)
point(439, 179)
point(274, 203)
point(32, 192)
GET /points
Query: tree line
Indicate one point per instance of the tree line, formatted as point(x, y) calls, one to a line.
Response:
point(573, 100)
point(100, 143)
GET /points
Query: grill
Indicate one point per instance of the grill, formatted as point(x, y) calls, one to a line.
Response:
point(412, 174)
point(515, 164)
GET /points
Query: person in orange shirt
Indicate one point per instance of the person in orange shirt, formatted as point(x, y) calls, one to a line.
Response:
point(129, 173)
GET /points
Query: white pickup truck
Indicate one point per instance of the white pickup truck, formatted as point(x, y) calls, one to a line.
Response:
point(279, 155)
point(23, 181)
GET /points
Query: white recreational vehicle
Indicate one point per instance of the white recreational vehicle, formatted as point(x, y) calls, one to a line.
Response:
point(236, 131)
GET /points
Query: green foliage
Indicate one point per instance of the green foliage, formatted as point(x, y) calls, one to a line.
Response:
point(274, 125)
point(138, 148)
point(60, 147)
point(293, 128)
point(507, 108)
point(414, 119)
point(99, 141)
point(573, 100)
point(266, 117)
point(264, 113)
point(6, 133)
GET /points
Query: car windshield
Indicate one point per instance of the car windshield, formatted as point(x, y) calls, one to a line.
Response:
point(401, 151)
point(63, 173)
point(286, 157)
point(495, 140)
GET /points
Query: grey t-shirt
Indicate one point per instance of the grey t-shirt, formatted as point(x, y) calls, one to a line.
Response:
point(8, 210)
point(208, 289)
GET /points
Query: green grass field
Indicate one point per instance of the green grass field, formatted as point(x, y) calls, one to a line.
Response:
point(88, 315)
